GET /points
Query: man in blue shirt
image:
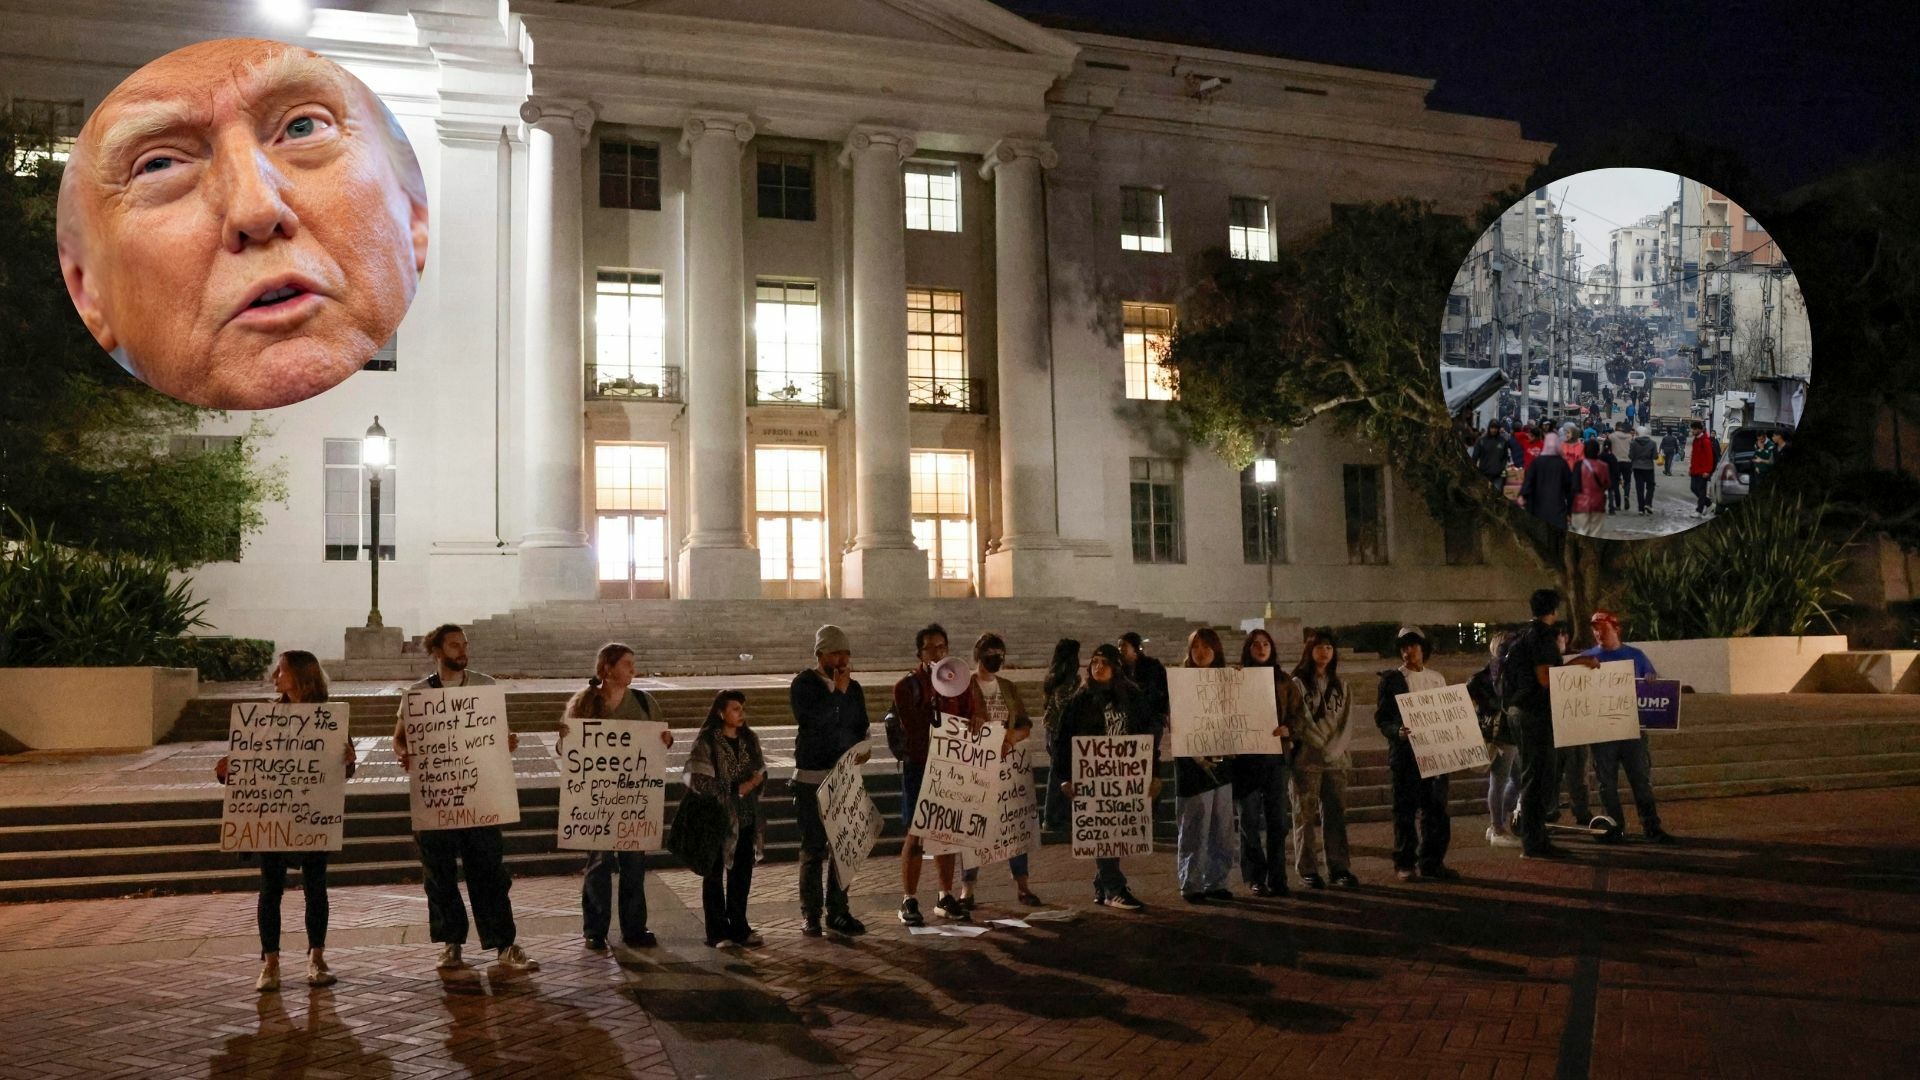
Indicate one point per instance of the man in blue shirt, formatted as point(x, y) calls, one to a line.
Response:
point(1609, 757)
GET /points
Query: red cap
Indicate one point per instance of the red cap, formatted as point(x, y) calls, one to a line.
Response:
point(1604, 616)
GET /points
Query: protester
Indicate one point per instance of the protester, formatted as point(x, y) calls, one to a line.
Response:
point(1503, 781)
point(1203, 801)
point(478, 850)
point(611, 695)
point(1669, 449)
point(830, 718)
point(1633, 754)
point(1702, 456)
point(1320, 764)
point(1570, 762)
point(1149, 675)
point(1615, 469)
point(1063, 681)
point(1641, 453)
point(1592, 486)
point(1260, 780)
point(916, 704)
point(1546, 489)
point(297, 675)
point(1490, 456)
point(726, 763)
point(1108, 704)
point(1002, 700)
point(1527, 698)
point(1413, 796)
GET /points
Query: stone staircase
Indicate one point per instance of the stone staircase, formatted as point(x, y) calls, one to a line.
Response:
point(1727, 746)
point(724, 637)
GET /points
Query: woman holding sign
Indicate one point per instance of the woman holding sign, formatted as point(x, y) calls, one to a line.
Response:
point(1107, 705)
point(298, 676)
point(610, 695)
point(1203, 801)
point(726, 763)
point(1260, 780)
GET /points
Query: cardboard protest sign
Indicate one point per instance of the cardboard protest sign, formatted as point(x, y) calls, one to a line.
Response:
point(1218, 712)
point(1013, 826)
point(613, 786)
point(1112, 807)
point(462, 772)
point(1593, 705)
point(852, 821)
point(956, 793)
point(1659, 704)
point(1444, 730)
point(286, 780)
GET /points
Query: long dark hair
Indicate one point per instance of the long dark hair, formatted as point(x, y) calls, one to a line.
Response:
point(309, 678)
point(1304, 670)
point(1212, 638)
point(1063, 671)
point(1246, 651)
point(716, 713)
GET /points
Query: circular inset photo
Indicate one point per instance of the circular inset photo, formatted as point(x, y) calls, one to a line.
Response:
point(242, 224)
point(1624, 353)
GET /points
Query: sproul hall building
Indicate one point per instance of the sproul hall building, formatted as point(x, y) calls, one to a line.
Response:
point(734, 299)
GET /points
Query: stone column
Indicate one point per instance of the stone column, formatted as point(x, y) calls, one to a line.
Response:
point(717, 562)
point(555, 561)
point(884, 561)
point(1029, 558)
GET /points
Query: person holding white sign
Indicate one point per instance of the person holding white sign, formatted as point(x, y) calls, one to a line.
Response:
point(726, 763)
point(479, 849)
point(830, 718)
point(1203, 801)
point(1424, 851)
point(1526, 694)
point(1002, 699)
point(1106, 705)
point(1321, 763)
point(611, 695)
point(917, 703)
point(1632, 754)
point(1260, 780)
point(298, 676)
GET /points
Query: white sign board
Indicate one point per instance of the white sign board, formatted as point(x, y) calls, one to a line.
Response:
point(1013, 825)
point(1444, 730)
point(956, 793)
point(613, 786)
point(852, 821)
point(1594, 705)
point(462, 772)
point(1219, 712)
point(1112, 801)
point(286, 780)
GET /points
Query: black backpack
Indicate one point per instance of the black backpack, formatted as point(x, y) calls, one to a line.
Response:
point(1513, 677)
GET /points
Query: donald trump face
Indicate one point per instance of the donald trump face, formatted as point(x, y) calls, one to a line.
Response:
point(242, 224)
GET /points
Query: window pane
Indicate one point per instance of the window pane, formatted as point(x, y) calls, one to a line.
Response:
point(773, 549)
point(611, 544)
point(809, 549)
point(1146, 331)
point(650, 548)
point(932, 196)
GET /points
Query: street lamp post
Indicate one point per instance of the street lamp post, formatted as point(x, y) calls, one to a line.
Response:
point(1266, 473)
point(375, 452)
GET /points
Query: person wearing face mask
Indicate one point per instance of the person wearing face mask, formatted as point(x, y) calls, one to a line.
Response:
point(1107, 704)
point(1002, 699)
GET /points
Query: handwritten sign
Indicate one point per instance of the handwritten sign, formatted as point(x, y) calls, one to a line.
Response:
point(286, 780)
point(1659, 704)
point(462, 772)
point(1112, 808)
point(613, 786)
point(1218, 712)
point(1443, 730)
point(852, 821)
point(1013, 823)
point(1591, 706)
point(956, 793)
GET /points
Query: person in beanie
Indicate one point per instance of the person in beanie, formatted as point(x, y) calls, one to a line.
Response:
point(1632, 754)
point(916, 703)
point(830, 715)
point(1108, 704)
point(1426, 799)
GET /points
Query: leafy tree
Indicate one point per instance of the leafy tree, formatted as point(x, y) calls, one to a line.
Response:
point(84, 447)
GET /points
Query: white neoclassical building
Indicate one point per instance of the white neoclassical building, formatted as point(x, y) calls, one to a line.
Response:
point(846, 298)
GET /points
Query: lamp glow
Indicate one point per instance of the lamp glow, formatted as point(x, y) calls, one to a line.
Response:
point(1266, 470)
point(375, 450)
point(291, 15)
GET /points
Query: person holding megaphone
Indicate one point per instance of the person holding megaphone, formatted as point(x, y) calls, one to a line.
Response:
point(938, 685)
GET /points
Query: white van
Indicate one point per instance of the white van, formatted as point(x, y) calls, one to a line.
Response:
point(1636, 380)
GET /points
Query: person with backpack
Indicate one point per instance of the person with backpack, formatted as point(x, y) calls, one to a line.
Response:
point(830, 719)
point(1526, 694)
point(1503, 781)
point(1702, 456)
point(1320, 764)
point(726, 763)
point(611, 695)
point(916, 704)
point(1423, 851)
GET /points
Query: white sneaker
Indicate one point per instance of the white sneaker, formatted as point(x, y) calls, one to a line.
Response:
point(726, 943)
point(450, 956)
point(269, 979)
point(319, 975)
point(1502, 839)
point(513, 958)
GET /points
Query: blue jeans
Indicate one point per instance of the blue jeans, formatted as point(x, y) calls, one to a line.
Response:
point(1503, 785)
point(1205, 843)
point(1608, 758)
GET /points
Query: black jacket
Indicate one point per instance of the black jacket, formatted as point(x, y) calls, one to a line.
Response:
point(1538, 645)
point(1386, 709)
point(1490, 455)
point(830, 723)
point(1150, 677)
point(1086, 714)
point(1548, 489)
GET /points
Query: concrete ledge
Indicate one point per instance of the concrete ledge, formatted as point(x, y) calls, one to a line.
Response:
point(93, 708)
point(1885, 671)
point(1748, 665)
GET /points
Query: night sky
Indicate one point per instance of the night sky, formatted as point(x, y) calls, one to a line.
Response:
point(1795, 89)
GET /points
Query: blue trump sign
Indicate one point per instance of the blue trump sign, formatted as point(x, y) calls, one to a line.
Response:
point(1659, 704)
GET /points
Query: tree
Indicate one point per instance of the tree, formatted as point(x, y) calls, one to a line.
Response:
point(84, 447)
point(1346, 327)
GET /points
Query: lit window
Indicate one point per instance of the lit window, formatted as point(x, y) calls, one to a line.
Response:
point(385, 358)
point(1249, 235)
point(348, 519)
point(629, 333)
point(942, 485)
point(933, 196)
point(1154, 510)
point(44, 132)
point(786, 342)
point(630, 504)
point(1145, 333)
point(629, 175)
point(1143, 221)
point(790, 500)
point(936, 350)
point(786, 186)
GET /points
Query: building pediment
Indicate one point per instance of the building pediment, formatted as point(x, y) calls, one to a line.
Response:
point(956, 23)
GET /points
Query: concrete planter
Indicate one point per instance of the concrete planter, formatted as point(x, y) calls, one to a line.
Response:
point(1748, 665)
point(103, 708)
